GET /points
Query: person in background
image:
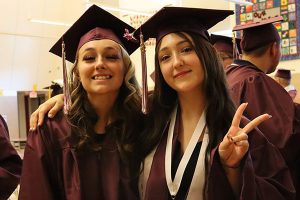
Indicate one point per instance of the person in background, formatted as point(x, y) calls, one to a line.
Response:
point(88, 152)
point(10, 163)
point(248, 82)
point(297, 98)
point(195, 144)
point(283, 77)
point(225, 47)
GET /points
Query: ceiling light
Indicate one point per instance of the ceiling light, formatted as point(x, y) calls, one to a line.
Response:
point(49, 22)
point(125, 11)
point(240, 2)
point(227, 32)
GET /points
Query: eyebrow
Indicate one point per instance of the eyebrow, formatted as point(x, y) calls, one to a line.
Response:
point(178, 44)
point(105, 48)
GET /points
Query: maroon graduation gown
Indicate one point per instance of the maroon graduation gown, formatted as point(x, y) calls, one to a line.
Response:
point(249, 84)
point(264, 173)
point(53, 169)
point(10, 163)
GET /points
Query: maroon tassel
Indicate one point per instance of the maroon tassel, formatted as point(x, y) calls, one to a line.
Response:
point(236, 53)
point(67, 97)
point(144, 75)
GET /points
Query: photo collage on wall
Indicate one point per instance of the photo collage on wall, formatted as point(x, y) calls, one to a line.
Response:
point(288, 29)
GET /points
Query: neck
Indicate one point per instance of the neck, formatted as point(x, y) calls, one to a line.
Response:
point(103, 106)
point(192, 106)
point(261, 62)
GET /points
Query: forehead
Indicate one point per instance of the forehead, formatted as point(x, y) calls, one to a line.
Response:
point(174, 39)
point(100, 44)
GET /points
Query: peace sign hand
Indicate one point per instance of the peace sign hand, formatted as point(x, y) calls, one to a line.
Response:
point(235, 143)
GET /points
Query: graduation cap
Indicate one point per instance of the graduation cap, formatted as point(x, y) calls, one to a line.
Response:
point(258, 34)
point(226, 44)
point(283, 73)
point(176, 19)
point(94, 24)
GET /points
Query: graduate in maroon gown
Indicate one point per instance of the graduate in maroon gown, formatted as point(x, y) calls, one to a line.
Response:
point(86, 152)
point(283, 77)
point(249, 82)
point(10, 163)
point(226, 48)
point(202, 150)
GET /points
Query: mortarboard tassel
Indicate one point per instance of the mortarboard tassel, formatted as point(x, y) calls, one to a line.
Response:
point(144, 75)
point(67, 98)
point(235, 48)
point(49, 92)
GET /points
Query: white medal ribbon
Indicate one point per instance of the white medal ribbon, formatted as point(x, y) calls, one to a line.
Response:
point(174, 186)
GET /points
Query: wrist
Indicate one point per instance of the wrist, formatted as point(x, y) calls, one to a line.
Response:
point(231, 167)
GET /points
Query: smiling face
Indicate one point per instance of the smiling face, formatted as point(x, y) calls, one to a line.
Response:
point(180, 64)
point(101, 67)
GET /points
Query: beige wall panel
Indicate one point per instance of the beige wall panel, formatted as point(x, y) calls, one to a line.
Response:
point(8, 16)
point(25, 60)
point(6, 56)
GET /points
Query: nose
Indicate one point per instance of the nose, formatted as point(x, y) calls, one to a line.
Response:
point(99, 63)
point(177, 60)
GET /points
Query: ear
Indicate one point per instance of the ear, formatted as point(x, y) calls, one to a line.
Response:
point(274, 48)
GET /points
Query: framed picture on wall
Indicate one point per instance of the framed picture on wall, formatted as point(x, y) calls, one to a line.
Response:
point(288, 29)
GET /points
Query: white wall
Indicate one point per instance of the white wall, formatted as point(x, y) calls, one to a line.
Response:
point(24, 55)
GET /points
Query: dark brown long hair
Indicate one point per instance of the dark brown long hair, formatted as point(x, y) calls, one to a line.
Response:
point(219, 106)
point(127, 114)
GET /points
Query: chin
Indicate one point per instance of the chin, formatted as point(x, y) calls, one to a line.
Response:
point(272, 69)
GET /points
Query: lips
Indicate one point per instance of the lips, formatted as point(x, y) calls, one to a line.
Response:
point(182, 73)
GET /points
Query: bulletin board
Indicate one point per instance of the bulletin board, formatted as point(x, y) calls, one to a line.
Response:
point(288, 29)
point(136, 21)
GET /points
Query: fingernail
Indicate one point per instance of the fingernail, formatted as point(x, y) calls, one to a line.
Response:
point(50, 115)
point(232, 140)
point(270, 116)
point(229, 137)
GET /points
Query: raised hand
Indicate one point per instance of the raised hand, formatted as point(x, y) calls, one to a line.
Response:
point(235, 143)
